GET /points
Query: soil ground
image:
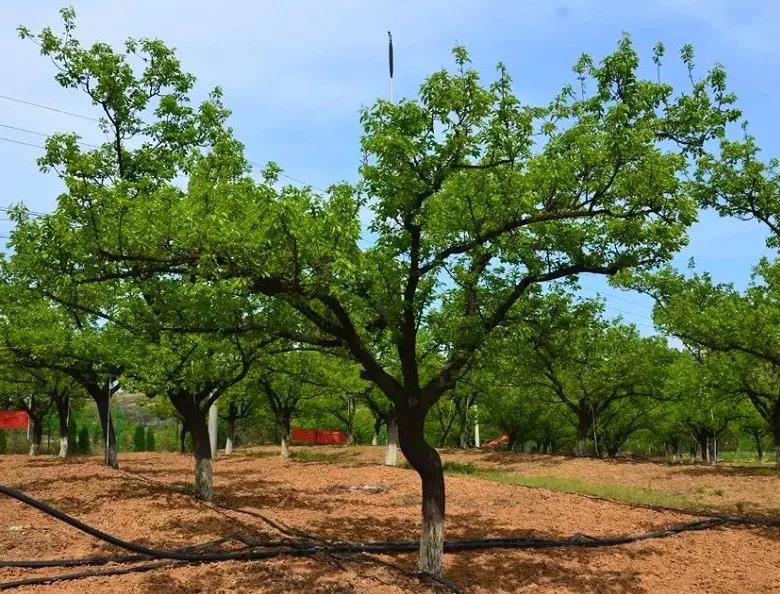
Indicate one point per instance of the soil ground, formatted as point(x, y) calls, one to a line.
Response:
point(325, 497)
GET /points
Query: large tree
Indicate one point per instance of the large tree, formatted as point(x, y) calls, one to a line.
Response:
point(474, 198)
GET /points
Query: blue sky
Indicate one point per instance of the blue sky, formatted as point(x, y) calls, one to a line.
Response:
point(297, 73)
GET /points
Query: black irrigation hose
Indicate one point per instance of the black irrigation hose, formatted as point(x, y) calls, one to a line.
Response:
point(272, 549)
point(106, 559)
point(38, 581)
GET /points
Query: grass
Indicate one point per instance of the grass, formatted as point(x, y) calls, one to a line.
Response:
point(315, 456)
point(616, 492)
point(638, 496)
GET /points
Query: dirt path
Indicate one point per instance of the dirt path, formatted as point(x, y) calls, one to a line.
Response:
point(322, 499)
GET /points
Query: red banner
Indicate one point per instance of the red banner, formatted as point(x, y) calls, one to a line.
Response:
point(317, 436)
point(13, 419)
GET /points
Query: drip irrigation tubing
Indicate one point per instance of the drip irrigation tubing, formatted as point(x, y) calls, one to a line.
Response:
point(257, 549)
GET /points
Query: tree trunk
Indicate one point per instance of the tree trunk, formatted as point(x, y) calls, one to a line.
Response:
point(375, 439)
point(107, 425)
point(285, 445)
point(426, 461)
point(776, 434)
point(183, 438)
point(37, 435)
point(63, 410)
point(463, 439)
point(63, 453)
point(231, 435)
point(204, 482)
point(583, 426)
point(213, 427)
point(391, 450)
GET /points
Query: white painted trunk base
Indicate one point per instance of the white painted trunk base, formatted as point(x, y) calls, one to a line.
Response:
point(391, 450)
point(432, 547)
point(285, 450)
point(63, 447)
point(204, 472)
point(228, 446)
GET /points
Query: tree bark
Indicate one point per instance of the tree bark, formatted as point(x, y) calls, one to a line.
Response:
point(204, 482)
point(391, 449)
point(426, 461)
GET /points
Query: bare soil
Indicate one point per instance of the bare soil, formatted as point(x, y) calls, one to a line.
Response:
point(353, 498)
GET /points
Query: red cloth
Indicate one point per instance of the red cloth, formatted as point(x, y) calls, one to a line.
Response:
point(316, 436)
point(13, 419)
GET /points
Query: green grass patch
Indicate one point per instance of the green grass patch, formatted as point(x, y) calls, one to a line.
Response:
point(616, 492)
point(459, 468)
point(315, 456)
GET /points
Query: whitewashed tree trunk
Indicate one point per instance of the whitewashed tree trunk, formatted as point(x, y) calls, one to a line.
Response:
point(375, 440)
point(213, 425)
point(63, 447)
point(228, 446)
point(477, 442)
point(431, 545)
point(204, 481)
point(33, 448)
point(285, 451)
point(391, 450)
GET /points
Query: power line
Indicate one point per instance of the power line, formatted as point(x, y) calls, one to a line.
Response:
point(83, 117)
point(40, 146)
point(42, 134)
point(48, 108)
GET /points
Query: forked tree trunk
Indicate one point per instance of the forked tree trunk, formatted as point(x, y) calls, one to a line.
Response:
point(107, 425)
point(426, 461)
point(391, 450)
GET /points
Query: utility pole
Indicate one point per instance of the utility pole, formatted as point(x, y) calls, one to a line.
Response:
point(390, 61)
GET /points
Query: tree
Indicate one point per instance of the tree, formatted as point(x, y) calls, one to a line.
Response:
point(701, 406)
point(476, 198)
point(149, 441)
point(193, 372)
point(139, 439)
point(48, 341)
point(286, 380)
point(742, 326)
point(591, 365)
point(240, 405)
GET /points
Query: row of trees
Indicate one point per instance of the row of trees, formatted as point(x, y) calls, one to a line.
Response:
point(169, 265)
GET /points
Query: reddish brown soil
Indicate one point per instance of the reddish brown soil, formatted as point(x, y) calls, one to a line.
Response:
point(316, 497)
